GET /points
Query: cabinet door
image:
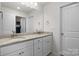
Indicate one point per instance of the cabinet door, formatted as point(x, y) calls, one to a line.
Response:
point(47, 43)
point(27, 51)
point(44, 46)
point(38, 47)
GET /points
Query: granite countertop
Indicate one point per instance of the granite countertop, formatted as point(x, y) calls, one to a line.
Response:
point(7, 41)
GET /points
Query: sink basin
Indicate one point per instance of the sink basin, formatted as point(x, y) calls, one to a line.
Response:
point(4, 40)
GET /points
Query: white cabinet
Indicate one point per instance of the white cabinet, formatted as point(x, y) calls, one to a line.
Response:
point(15, 49)
point(43, 46)
point(47, 45)
point(38, 47)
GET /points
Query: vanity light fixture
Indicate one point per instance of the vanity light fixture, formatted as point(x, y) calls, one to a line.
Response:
point(30, 4)
point(22, 3)
point(18, 8)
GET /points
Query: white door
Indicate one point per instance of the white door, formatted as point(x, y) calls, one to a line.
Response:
point(30, 25)
point(70, 29)
point(23, 25)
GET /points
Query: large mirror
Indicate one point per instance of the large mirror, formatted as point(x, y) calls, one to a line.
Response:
point(20, 24)
point(20, 17)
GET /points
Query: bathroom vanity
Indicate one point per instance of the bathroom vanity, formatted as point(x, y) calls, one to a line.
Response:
point(27, 45)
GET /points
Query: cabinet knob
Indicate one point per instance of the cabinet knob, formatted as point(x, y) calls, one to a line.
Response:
point(38, 48)
point(19, 53)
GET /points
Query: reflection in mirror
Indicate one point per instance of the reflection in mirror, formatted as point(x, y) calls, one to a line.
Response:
point(18, 18)
point(20, 24)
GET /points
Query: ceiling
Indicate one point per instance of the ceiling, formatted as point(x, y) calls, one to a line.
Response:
point(14, 5)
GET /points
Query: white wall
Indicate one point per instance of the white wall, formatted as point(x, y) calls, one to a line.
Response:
point(0, 5)
point(50, 14)
point(29, 26)
point(52, 23)
point(9, 19)
point(37, 19)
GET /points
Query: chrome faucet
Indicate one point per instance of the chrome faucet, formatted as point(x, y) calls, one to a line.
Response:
point(13, 34)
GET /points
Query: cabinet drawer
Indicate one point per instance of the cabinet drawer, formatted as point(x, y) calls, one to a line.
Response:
point(27, 51)
point(14, 47)
point(16, 53)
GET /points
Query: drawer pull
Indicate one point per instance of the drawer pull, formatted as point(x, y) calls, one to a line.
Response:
point(22, 52)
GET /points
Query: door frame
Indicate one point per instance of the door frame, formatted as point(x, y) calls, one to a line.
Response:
point(61, 32)
point(1, 12)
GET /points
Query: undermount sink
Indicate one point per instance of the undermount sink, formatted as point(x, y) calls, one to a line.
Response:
point(4, 40)
point(16, 38)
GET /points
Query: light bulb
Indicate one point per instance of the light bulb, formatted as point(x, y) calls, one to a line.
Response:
point(18, 8)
